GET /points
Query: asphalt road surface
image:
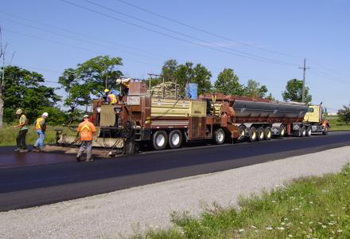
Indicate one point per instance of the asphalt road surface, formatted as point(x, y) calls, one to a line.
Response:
point(31, 179)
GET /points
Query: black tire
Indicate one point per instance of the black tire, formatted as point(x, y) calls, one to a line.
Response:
point(160, 140)
point(325, 131)
point(268, 133)
point(282, 131)
point(260, 134)
point(252, 134)
point(308, 131)
point(241, 133)
point(297, 133)
point(175, 139)
point(303, 131)
point(219, 136)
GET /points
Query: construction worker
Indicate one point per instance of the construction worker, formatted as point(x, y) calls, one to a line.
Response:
point(124, 84)
point(112, 98)
point(40, 128)
point(86, 129)
point(105, 96)
point(21, 137)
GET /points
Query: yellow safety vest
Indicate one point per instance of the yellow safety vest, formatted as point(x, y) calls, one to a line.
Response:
point(38, 123)
point(113, 99)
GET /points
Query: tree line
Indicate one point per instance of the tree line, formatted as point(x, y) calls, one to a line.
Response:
point(26, 89)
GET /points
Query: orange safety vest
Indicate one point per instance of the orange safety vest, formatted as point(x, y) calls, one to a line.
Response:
point(86, 130)
point(113, 99)
point(38, 123)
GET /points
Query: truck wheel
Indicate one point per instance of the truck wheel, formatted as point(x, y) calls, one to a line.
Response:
point(309, 131)
point(219, 136)
point(282, 131)
point(297, 133)
point(325, 131)
point(268, 133)
point(175, 139)
point(241, 133)
point(252, 134)
point(160, 139)
point(303, 131)
point(261, 134)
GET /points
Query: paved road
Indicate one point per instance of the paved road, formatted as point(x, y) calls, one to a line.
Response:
point(35, 185)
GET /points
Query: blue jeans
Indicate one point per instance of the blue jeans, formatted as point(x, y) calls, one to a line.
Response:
point(40, 141)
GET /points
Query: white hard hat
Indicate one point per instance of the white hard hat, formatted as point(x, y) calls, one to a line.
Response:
point(19, 111)
point(119, 81)
point(45, 114)
point(85, 116)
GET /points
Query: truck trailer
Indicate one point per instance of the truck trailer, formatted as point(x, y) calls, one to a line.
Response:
point(139, 118)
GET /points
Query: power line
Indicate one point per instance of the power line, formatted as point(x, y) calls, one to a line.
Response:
point(82, 34)
point(180, 33)
point(314, 71)
point(72, 38)
point(204, 31)
point(329, 69)
point(68, 45)
point(172, 36)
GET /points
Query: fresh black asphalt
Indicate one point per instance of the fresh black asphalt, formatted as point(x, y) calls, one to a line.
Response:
point(23, 187)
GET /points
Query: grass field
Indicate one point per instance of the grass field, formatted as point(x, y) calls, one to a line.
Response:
point(8, 136)
point(316, 207)
point(336, 125)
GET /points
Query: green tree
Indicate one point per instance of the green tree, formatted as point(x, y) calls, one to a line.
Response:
point(294, 91)
point(100, 73)
point(228, 83)
point(187, 73)
point(24, 89)
point(89, 79)
point(79, 93)
point(344, 114)
point(253, 89)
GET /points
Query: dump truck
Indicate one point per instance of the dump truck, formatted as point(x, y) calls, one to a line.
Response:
point(140, 117)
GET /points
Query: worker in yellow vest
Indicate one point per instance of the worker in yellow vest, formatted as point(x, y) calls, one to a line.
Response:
point(40, 128)
point(112, 99)
point(21, 137)
point(86, 129)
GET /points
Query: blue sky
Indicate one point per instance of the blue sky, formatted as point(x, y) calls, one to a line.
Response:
point(287, 31)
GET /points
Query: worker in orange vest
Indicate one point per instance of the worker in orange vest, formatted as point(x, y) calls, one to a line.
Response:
point(86, 129)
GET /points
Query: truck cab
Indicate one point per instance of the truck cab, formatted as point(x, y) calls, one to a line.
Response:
point(316, 117)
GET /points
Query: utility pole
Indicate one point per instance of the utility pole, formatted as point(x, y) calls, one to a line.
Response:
point(304, 68)
point(2, 81)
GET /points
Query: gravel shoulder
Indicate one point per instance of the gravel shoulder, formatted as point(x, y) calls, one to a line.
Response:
point(112, 214)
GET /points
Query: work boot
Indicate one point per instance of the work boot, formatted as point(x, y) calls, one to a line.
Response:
point(17, 150)
point(23, 151)
point(78, 158)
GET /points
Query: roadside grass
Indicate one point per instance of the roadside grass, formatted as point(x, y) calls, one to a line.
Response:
point(8, 135)
point(337, 125)
point(313, 207)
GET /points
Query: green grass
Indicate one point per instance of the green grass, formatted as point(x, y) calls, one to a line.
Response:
point(316, 207)
point(8, 136)
point(336, 125)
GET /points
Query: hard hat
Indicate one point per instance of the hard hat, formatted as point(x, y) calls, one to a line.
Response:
point(85, 116)
point(119, 81)
point(19, 112)
point(45, 114)
point(106, 90)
